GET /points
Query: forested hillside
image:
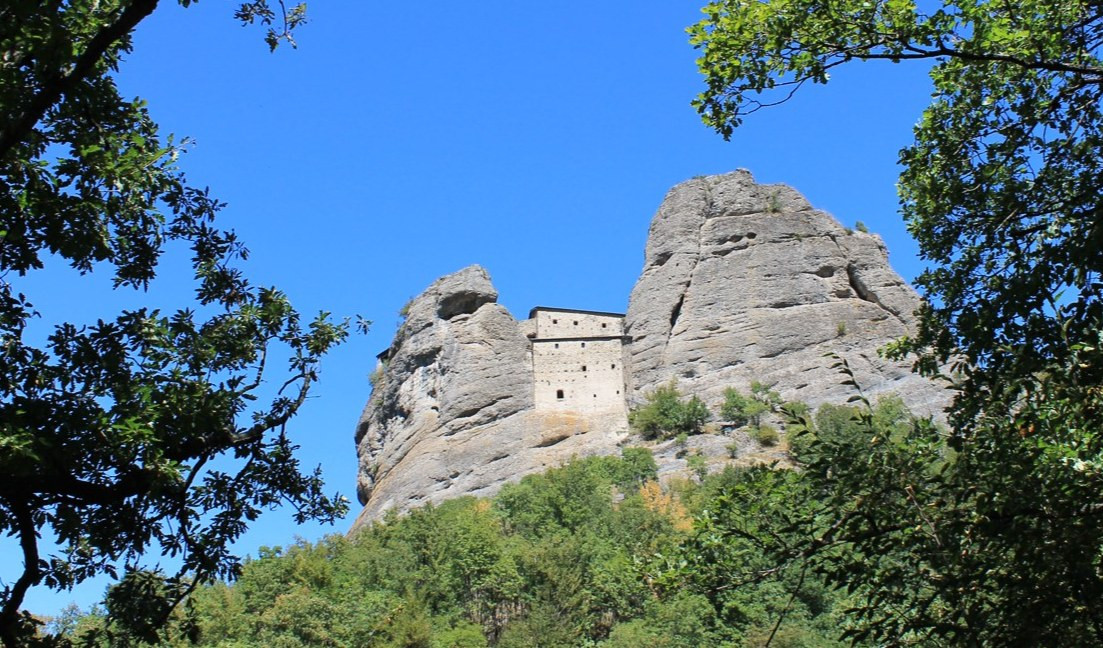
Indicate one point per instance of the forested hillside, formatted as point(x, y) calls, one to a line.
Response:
point(595, 553)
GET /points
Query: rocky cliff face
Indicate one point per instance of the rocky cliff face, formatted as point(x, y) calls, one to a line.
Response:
point(741, 282)
point(452, 412)
point(745, 282)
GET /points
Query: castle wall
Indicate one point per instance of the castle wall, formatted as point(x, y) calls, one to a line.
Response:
point(581, 375)
point(563, 323)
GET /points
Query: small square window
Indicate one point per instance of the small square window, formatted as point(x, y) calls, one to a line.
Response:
point(559, 394)
point(555, 321)
point(583, 345)
point(613, 366)
point(576, 322)
point(557, 345)
point(584, 367)
point(603, 325)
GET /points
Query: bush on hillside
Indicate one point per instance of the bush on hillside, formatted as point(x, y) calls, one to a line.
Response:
point(666, 415)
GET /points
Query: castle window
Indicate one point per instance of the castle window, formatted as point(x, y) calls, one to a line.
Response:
point(583, 345)
point(576, 322)
point(557, 345)
point(595, 395)
point(584, 367)
point(555, 321)
point(603, 325)
point(559, 394)
point(613, 366)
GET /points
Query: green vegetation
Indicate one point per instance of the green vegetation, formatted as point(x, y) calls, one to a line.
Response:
point(861, 227)
point(773, 203)
point(375, 378)
point(591, 554)
point(741, 409)
point(404, 312)
point(108, 433)
point(765, 434)
point(698, 465)
point(666, 414)
point(988, 534)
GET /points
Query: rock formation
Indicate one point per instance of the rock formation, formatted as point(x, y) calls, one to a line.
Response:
point(745, 282)
point(741, 282)
point(452, 412)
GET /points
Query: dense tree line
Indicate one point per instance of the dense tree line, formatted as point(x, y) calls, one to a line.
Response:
point(991, 533)
point(595, 553)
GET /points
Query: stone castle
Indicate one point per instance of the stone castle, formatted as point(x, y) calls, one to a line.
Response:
point(578, 360)
point(741, 282)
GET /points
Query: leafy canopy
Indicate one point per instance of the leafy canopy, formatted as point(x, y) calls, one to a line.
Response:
point(583, 555)
point(665, 414)
point(110, 432)
point(740, 409)
point(991, 533)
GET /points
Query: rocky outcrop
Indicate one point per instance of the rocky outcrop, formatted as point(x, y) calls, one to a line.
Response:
point(741, 282)
point(452, 411)
point(745, 282)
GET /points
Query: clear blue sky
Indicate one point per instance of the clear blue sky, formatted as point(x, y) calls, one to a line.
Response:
point(403, 141)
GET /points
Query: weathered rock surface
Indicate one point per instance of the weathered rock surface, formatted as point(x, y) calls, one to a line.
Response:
point(741, 282)
point(452, 413)
point(745, 282)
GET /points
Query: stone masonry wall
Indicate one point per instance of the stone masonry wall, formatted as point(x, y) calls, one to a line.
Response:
point(578, 361)
point(564, 323)
point(584, 375)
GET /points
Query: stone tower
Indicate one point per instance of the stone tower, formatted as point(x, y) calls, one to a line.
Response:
point(577, 360)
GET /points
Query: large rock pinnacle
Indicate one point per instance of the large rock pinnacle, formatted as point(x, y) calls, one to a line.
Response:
point(741, 282)
point(745, 282)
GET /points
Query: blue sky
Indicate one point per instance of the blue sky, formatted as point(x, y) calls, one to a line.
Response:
point(403, 141)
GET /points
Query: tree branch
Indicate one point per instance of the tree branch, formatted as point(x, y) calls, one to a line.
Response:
point(28, 542)
point(52, 90)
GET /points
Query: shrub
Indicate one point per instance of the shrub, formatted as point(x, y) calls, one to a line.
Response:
point(738, 408)
point(741, 409)
point(765, 434)
point(681, 441)
point(376, 376)
point(765, 395)
point(861, 227)
point(698, 465)
point(693, 415)
point(665, 414)
point(634, 467)
point(773, 203)
point(795, 409)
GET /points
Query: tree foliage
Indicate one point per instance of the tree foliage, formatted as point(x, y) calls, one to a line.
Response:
point(568, 558)
point(665, 414)
point(742, 409)
point(991, 533)
point(152, 431)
